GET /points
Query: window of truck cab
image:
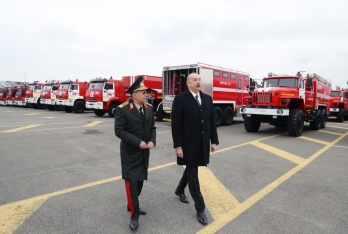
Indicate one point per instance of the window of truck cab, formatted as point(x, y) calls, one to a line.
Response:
point(335, 93)
point(74, 87)
point(96, 85)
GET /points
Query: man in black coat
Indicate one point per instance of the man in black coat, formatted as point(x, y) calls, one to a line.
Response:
point(135, 126)
point(193, 129)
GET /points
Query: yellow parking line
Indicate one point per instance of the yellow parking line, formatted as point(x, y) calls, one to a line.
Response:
point(281, 153)
point(92, 124)
point(31, 114)
point(217, 197)
point(314, 140)
point(21, 128)
point(331, 126)
point(334, 133)
point(225, 219)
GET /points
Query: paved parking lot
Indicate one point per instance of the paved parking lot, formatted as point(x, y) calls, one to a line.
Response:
point(61, 173)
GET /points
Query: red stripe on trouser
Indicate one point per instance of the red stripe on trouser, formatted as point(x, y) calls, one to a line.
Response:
point(129, 199)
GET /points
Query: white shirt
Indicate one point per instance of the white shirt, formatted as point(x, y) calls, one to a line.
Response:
point(199, 97)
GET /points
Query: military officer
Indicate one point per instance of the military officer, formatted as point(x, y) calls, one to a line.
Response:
point(135, 126)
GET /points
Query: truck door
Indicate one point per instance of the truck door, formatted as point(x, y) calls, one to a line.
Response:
point(302, 90)
point(108, 91)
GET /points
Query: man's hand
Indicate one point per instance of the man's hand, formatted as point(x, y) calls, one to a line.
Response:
point(213, 148)
point(143, 145)
point(150, 145)
point(179, 153)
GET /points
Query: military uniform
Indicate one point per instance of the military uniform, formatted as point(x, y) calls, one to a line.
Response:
point(133, 127)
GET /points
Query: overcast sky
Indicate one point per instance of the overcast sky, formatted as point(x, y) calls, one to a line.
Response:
point(75, 39)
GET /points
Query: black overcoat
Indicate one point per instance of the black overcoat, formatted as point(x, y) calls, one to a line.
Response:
point(132, 128)
point(193, 128)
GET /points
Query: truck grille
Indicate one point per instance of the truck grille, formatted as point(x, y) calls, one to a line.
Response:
point(262, 98)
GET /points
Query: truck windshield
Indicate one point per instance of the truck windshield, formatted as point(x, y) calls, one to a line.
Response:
point(37, 87)
point(98, 85)
point(270, 83)
point(283, 82)
point(0, 91)
point(31, 87)
point(288, 82)
point(47, 87)
point(64, 86)
point(335, 93)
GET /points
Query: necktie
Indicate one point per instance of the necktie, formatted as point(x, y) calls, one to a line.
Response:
point(141, 111)
point(196, 97)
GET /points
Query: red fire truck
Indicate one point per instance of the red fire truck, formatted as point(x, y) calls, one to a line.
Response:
point(5, 90)
point(20, 95)
point(288, 101)
point(226, 86)
point(11, 92)
point(104, 95)
point(71, 95)
point(339, 104)
point(32, 95)
point(48, 94)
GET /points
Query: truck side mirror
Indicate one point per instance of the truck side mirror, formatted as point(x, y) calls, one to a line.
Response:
point(346, 95)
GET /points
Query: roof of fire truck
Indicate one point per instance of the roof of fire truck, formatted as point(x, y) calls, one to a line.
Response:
point(299, 74)
point(205, 65)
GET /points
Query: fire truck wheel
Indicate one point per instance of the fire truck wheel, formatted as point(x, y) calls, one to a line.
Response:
point(323, 117)
point(99, 112)
point(227, 116)
point(251, 124)
point(340, 115)
point(160, 114)
point(112, 109)
point(346, 115)
point(79, 107)
point(50, 108)
point(34, 106)
point(218, 116)
point(295, 123)
point(67, 109)
point(316, 123)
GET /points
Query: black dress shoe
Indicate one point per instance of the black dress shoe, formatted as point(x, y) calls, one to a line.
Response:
point(182, 197)
point(141, 211)
point(202, 218)
point(133, 225)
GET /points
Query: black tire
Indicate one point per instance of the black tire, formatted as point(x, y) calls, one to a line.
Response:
point(218, 116)
point(79, 107)
point(50, 108)
point(227, 116)
point(99, 112)
point(316, 122)
point(58, 108)
point(112, 109)
point(295, 123)
point(67, 109)
point(160, 114)
point(346, 115)
point(251, 124)
point(340, 115)
point(323, 116)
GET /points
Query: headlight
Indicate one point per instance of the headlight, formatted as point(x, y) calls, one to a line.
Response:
point(283, 101)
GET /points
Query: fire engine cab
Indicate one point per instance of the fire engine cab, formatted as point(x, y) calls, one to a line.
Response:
point(104, 95)
point(71, 95)
point(288, 101)
point(48, 94)
point(20, 94)
point(12, 92)
point(5, 91)
point(339, 104)
point(227, 87)
point(32, 94)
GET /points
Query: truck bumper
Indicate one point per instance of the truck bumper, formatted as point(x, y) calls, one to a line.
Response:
point(264, 111)
point(60, 102)
point(94, 105)
point(47, 101)
point(32, 100)
point(21, 103)
point(3, 103)
point(11, 102)
point(334, 110)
